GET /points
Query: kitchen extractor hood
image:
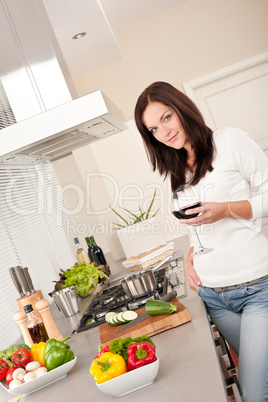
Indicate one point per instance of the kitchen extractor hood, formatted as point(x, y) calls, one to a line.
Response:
point(57, 132)
point(36, 92)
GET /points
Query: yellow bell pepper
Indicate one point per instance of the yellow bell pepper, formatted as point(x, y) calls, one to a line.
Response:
point(107, 366)
point(38, 352)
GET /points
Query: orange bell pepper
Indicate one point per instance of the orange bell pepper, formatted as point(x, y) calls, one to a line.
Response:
point(38, 352)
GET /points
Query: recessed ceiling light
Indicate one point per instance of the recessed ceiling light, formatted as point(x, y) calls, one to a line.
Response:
point(79, 35)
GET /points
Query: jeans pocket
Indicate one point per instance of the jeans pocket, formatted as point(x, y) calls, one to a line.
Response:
point(200, 290)
point(261, 286)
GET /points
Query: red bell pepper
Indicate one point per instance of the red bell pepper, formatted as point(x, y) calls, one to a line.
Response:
point(140, 354)
point(103, 350)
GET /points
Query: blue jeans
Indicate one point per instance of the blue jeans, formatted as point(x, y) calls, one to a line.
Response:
point(241, 316)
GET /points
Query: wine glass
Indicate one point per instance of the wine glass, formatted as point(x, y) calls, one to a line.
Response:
point(181, 202)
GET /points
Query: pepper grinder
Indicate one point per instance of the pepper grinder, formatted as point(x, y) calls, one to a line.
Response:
point(21, 319)
point(43, 307)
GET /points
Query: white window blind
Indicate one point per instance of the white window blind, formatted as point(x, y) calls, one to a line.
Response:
point(32, 234)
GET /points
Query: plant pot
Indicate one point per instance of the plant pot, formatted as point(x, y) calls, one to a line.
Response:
point(142, 236)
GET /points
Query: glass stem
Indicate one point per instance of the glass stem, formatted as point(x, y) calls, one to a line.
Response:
point(197, 237)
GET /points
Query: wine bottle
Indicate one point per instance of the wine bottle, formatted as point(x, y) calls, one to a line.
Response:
point(89, 250)
point(81, 254)
point(98, 255)
point(35, 325)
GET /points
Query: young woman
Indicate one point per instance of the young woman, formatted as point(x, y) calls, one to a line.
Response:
point(228, 172)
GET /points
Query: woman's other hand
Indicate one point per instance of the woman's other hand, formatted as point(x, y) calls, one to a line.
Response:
point(192, 277)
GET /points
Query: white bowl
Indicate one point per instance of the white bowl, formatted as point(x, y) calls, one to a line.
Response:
point(40, 382)
point(131, 381)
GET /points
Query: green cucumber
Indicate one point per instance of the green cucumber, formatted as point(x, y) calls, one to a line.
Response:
point(158, 307)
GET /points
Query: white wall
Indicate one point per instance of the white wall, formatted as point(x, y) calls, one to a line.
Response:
point(195, 38)
point(114, 172)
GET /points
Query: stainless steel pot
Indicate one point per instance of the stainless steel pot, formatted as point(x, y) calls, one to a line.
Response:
point(141, 283)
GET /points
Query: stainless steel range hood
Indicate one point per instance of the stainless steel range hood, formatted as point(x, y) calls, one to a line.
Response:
point(57, 132)
point(39, 91)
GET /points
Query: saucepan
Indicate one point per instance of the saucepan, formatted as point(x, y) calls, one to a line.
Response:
point(143, 282)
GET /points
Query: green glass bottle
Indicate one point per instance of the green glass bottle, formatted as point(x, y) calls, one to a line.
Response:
point(89, 250)
point(98, 255)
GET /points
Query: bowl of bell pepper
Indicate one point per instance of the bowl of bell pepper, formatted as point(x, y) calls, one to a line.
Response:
point(120, 374)
point(55, 356)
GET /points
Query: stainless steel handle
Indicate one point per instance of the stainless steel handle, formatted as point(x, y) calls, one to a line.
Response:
point(169, 296)
point(160, 263)
point(28, 279)
point(16, 281)
point(22, 279)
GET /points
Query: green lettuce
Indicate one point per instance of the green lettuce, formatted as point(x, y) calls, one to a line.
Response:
point(84, 277)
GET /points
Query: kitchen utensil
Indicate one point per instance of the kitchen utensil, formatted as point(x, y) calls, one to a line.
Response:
point(16, 281)
point(151, 326)
point(142, 282)
point(31, 299)
point(66, 301)
point(28, 279)
point(168, 297)
point(22, 280)
point(42, 306)
point(21, 319)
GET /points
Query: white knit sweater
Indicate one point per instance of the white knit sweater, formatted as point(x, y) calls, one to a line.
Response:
point(240, 249)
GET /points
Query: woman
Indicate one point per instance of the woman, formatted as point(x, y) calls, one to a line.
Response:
point(223, 168)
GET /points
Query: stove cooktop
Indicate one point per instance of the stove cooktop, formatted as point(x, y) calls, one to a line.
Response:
point(112, 297)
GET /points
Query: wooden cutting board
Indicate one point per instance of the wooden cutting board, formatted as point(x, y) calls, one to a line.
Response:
point(151, 326)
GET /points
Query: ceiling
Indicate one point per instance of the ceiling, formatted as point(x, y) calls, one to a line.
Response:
point(100, 19)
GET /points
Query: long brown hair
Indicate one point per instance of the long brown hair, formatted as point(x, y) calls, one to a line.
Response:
point(167, 160)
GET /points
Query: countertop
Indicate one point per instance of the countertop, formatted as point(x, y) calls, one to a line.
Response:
point(189, 367)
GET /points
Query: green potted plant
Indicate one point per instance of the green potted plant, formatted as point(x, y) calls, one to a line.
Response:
point(139, 232)
point(135, 218)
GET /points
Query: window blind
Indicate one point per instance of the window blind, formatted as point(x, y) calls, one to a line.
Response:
point(33, 234)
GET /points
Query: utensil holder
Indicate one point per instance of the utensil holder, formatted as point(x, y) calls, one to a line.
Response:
point(66, 301)
point(31, 299)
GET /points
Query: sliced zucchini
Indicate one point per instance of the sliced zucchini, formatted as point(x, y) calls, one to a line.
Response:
point(111, 320)
point(108, 315)
point(129, 315)
point(115, 319)
point(120, 318)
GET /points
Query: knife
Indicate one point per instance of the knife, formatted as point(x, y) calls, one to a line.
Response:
point(28, 279)
point(22, 280)
point(169, 296)
point(16, 281)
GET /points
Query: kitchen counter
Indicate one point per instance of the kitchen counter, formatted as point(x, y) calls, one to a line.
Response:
point(189, 367)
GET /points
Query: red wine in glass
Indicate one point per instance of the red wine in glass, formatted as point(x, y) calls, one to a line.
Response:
point(178, 210)
point(180, 214)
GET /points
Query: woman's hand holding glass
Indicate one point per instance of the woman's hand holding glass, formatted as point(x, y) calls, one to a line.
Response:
point(184, 204)
point(208, 212)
